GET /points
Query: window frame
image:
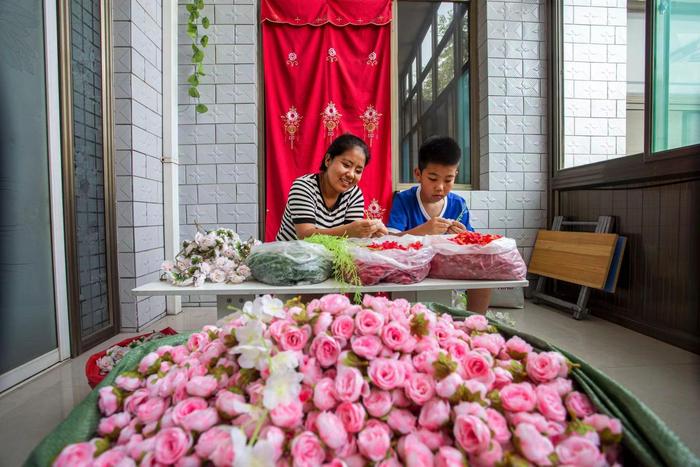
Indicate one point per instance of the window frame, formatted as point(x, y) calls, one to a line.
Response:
point(644, 166)
point(453, 33)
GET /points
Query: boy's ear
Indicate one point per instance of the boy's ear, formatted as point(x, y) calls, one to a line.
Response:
point(416, 173)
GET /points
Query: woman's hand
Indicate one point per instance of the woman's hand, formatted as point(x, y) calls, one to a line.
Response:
point(456, 227)
point(362, 228)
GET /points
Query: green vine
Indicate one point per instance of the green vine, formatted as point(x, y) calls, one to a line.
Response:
point(198, 45)
point(344, 267)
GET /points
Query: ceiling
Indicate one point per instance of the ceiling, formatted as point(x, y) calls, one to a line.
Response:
point(411, 18)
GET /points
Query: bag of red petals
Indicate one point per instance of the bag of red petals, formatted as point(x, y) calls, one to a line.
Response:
point(399, 260)
point(475, 256)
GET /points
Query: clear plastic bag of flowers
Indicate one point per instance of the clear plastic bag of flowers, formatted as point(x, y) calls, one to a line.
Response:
point(290, 263)
point(217, 256)
point(400, 260)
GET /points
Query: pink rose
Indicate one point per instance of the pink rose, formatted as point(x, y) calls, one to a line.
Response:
point(447, 456)
point(186, 407)
point(352, 415)
point(549, 403)
point(387, 373)
point(374, 442)
point(446, 387)
point(471, 433)
point(200, 420)
point(114, 457)
point(179, 353)
point(311, 370)
point(189, 461)
point(335, 462)
point(276, 438)
point(518, 397)
point(112, 425)
point(580, 451)
point(534, 419)
point(147, 362)
point(294, 338)
point(502, 377)
point(129, 382)
point(343, 326)
point(535, 447)
point(470, 408)
point(476, 323)
point(324, 394)
point(423, 361)
point(491, 342)
point(432, 439)
point(171, 444)
point(151, 410)
point(334, 303)
point(420, 388)
point(498, 425)
point(414, 452)
point(306, 450)
point(517, 348)
point(331, 430)
point(369, 322)
point(76, 455)
point(326, 350)
point(132, 402)
point(226, 403)
point(492, 456)
point(108, 401)
point(602, 422)
point(211, 439)
point(579, 405)
point(348, 384)
point(402, 421)
point(322, 322)
point(202, 386)
point(378, 403)
point(367, 347)
point(395, 335)
point(287, 415)
point(434, 414)
point(399, 399)
point(197, 341)
point(543, 367)
point(478, 368)
point(562, 386)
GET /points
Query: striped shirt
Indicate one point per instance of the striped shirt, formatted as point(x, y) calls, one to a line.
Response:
point(306, 206)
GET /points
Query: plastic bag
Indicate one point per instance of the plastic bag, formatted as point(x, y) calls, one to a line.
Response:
point(497, 260)
point(507, 297)
point(290, 263)
point(399, 260)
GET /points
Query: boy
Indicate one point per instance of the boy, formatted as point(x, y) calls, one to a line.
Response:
point(430, 208)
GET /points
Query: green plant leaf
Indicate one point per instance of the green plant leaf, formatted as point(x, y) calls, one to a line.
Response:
point(191, 7)
point(193, 92)
point(198, 56)
point(195, 48)
point(192, 30)
point(199, 4)
point(205, 22)
point(200, 69)
point(201, 108)
point(204, 40)
point(193, 79)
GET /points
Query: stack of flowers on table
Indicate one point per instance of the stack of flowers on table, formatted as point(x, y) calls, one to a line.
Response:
point(331, 383)
point(475, 256)
point(400, 260)
point(217, 256)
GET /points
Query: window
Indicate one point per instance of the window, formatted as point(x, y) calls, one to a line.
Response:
point(676, 75)
point(433, 66)
point(608, 110)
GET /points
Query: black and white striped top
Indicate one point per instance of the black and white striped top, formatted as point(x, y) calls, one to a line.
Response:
point(306, 206)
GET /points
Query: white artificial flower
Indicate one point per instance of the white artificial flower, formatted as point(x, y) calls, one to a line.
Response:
point(268, 308)
point(234, 278)
point(260, 455)
point(281, 388)
point(217, 275)
point(209, 241)
point(251, 332)
point(283, 362)
point(199, 279)
point(205, 267)
point(252, 356)
point(199, 238)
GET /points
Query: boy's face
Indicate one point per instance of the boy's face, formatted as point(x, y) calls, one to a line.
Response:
point(436, 180)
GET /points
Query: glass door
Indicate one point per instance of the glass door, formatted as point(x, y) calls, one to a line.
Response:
point(33, 303)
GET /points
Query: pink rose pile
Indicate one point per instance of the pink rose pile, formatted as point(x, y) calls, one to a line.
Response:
point(336, 384)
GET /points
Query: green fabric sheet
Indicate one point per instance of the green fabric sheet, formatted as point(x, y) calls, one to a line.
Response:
point(647, 440)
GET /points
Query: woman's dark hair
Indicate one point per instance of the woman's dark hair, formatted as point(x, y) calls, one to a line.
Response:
point(344, 143)
point(441, 150)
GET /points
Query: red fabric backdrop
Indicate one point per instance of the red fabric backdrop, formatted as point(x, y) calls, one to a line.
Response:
point(318, 55)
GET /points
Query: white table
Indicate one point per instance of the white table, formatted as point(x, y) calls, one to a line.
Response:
point(236, 295)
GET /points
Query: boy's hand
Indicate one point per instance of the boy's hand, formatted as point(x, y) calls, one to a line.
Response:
point(363, 228)
point(456, 227)
point(381, 229)
point(436, 226)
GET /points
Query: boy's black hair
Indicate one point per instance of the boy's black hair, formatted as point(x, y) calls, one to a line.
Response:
point(344, 143)
point(441, 150)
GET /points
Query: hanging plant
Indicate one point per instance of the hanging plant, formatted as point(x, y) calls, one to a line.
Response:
point(198, 45)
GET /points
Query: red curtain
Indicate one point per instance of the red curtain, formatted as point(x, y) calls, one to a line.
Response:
point(326, 67)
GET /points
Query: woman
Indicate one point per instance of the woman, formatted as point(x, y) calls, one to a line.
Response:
point(330, 202)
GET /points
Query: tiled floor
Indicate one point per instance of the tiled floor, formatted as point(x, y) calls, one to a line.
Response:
point(664, 377)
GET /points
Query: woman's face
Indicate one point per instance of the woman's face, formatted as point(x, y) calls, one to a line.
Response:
point(345, 170)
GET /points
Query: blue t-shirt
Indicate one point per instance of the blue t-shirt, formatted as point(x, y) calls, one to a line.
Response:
point(407, 211)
